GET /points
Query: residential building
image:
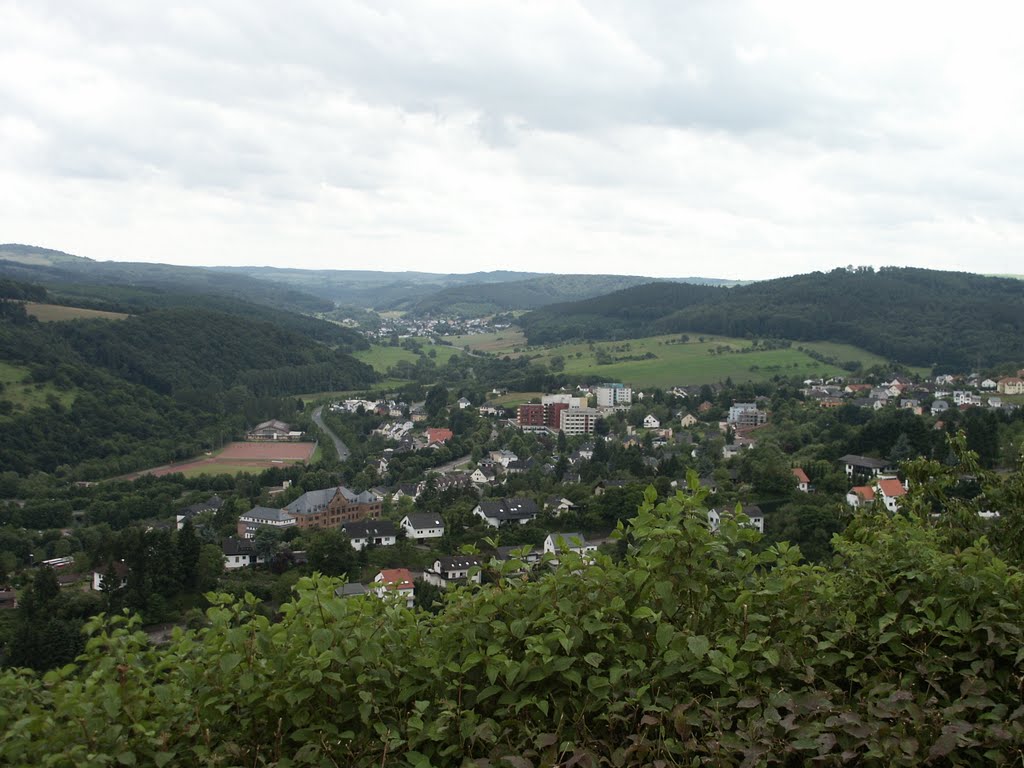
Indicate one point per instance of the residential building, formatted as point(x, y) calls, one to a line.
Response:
point(120, 573)
point(452, 569)
point(239, 553)
point(396, 583)
point(438, 436)
point(753, 512)
point(423, 525)
point(495, 512)
point(746, 415)
point(864, 466)
point(803, 483)
point(1011, 385)
point(888, 489)
point(578, 421)
point(212, 504)
point(556, 543)
point(259, 517)
point(688, 420)
point(363, 533)
point(651, 422)
point(610, 395)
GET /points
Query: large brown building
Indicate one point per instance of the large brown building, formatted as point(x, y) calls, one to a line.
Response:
point(332, 507)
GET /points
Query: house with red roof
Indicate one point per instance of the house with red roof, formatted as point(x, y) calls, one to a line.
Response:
point(803, 483)
point(438, 435)
point(888, 489)
point(395, 581)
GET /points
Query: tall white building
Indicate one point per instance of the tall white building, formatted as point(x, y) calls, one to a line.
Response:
point(578, 421)
point(610, 395)
point(569, 400)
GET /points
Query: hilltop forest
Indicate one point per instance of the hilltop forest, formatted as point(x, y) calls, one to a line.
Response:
point(155, 387)
point(944, 320)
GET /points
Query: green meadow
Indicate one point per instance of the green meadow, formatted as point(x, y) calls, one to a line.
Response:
point(27, 395)
point(382, 357)
point(673, 363)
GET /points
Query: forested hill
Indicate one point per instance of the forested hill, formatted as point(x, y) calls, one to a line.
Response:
point(476, 299)
point(95, 398)
point(628, 313)
point(915, 316)
point(55, 268)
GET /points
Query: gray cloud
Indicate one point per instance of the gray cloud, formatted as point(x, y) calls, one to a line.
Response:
point(742, 139)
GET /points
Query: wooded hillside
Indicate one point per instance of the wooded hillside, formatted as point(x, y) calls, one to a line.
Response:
point(948, 320)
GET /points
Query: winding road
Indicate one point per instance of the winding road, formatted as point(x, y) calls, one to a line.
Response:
point(339, 446)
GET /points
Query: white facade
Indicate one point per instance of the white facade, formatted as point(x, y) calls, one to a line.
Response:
point(423, 526)
point(569, 400)
point(578, 421)
point(610, 395)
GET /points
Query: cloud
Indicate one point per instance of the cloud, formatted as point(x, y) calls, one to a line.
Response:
point(746, 139)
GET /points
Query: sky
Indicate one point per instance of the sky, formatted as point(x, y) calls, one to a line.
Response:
point(739, 140)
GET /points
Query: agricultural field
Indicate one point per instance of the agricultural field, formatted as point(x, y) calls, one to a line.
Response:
point(512, 399)
point(52, 313)
point(500, 342)
point(26, 396)
point(845, 352)
point(382, 357)
point(695, 362)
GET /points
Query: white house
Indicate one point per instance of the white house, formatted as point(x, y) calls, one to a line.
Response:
point(453, 569)
point(889, 489)
point(555, 543)
point(239, 553)
point(989, 384)
point(363, 533)
point(803, 483)
point(650, 422)
point(397, 582)
point(423, 525)
point(688, 420)
point(509, 511)
point(1011, 385)
point(120, 572)
point(503, 457)
point(259, 517)
point(752, 511)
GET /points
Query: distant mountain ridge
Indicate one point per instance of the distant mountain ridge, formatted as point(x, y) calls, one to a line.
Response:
point(919, 317)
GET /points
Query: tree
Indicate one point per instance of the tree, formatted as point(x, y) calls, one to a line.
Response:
point(331, 553)
point(187, 545)
point(436, 401)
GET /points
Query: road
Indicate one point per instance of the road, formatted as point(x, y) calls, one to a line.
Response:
point(339, 446)
point(451, 465)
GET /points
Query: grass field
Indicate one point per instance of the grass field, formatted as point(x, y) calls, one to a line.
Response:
point(382, 357)
point(50, 313)
point(27, 396)
point(845, 352)
point(501, 342)
point(514, 398)
point(715, 359)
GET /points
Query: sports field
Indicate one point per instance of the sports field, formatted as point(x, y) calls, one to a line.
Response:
point(239, 457)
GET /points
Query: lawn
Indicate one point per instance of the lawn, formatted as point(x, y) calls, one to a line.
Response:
point(50, 313)
point(27, 396)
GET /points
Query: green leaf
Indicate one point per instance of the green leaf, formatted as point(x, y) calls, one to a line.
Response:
point(698, 645)
point(664, 635)
point(229, 661)
point(126, 758)
point(162, 758)
point(772, 656)
point(594, 659)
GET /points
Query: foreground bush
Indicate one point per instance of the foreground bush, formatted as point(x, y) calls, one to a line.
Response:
point(693, 650)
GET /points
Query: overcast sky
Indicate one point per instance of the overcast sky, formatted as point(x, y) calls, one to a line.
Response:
point(722, 139)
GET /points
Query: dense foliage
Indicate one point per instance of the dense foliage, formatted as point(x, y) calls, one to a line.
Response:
point(691, 649)
point(153, 388)
point(916, 316)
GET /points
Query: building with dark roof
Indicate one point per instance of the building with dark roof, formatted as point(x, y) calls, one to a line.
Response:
point(363, 533)
point(332, 507)
point(495, 512)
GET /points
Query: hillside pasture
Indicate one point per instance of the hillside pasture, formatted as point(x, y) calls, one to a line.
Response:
point(54, 313)
point(26, 395)
point(382, 357)
point(673, 363)
point(499, 342)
